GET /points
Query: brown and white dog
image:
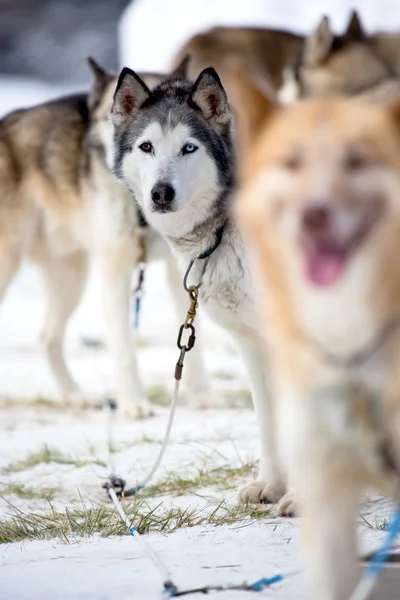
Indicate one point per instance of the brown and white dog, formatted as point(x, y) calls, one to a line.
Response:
point(354, 63)
point(319, 204)
point(322, 63)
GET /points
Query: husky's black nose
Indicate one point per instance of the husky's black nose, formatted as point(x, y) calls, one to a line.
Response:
point(316, 218)
point(162, 194)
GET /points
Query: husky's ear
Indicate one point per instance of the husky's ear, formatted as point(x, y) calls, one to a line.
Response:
point(129, 95)
point(181, 71)
point(355, 30)
point(101, 80)
point(209, 95)
point(319, 44)
point(254, 104)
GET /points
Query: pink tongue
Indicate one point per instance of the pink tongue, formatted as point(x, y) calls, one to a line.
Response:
point(324, 268)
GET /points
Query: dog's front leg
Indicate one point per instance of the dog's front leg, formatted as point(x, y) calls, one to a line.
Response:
point(328, 509)
point(270, 484)
point(116, 270)
point(326, 490)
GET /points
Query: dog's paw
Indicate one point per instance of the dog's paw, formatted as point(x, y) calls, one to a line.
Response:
point(141, 409)
point(261, 492)
point(287, 506)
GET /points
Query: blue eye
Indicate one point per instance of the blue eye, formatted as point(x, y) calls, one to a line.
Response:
point(189, 149)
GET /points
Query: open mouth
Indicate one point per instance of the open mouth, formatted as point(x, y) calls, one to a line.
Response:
point(325, 262)
point(326, 256)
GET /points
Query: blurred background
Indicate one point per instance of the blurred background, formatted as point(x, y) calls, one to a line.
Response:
point(43, 46)
point(48, 40)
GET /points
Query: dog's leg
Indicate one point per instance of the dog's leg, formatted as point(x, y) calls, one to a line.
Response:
point(65, 280)
point(269, 485)
point(116, 269)
point(329, 510)
point(196, 374)
point(10, 260)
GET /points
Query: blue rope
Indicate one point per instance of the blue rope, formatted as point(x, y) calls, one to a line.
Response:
point(133, 491)
point(381, 556)
point(258, 586)
point(137, 312)
point(261, 584)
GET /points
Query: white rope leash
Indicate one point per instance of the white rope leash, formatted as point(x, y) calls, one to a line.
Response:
point(135, 534)
point(167, 434)
point(111, 467)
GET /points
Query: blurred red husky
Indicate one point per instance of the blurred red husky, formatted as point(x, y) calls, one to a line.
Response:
point(319, 204)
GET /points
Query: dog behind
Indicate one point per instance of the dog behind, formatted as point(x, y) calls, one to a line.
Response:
point(352, 64)
point(323, 62)
point(267, 50)
point(319, 203)
point(59, 206)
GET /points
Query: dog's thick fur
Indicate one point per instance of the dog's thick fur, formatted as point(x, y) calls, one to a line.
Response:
point(352, 64)
point(268, 51)
point(319, 204)
point(153, 130)
point(59, 204)
point(277, 56)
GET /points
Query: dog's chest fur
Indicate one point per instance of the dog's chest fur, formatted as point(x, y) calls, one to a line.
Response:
point(345, 417)
point(226, 290)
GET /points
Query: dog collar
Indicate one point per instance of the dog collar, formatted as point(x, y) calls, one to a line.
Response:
point(218, 238)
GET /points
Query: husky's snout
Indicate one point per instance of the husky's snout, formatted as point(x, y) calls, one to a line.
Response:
point(162, 196)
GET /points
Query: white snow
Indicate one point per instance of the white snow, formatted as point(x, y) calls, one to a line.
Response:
point(103, 569)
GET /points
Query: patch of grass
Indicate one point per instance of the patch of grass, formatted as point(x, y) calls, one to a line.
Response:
point(220, 478)
point(121, 446)
point(224, 375)
point(158, 394)
point(49, 455)
point(105, 521)
point(38, 402)
point(382, 525)
point(28, 493)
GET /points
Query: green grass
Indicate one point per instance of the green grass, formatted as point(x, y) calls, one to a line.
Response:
point(37, 403)
point(48, 455)
point(224, 375)
point(26, 492)
point(219, 478)
point(104, 520)
point(159, 394)
point(378, 525)
point(121, 446)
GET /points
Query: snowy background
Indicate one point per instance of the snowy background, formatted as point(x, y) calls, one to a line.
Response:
point(49, 452)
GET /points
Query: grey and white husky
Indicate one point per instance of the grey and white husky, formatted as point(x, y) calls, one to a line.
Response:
point(60, 206)
point(173, 150)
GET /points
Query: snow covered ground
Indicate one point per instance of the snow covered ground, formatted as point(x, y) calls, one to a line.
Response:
point(202, 442)
point(49, 452)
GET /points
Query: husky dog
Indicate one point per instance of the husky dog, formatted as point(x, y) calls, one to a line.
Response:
point(268, 51)
point(173, 150)
point(59, 205)
point(319, 204)
point(351, 64)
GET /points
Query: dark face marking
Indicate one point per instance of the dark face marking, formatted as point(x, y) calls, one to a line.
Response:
point(170, 104)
